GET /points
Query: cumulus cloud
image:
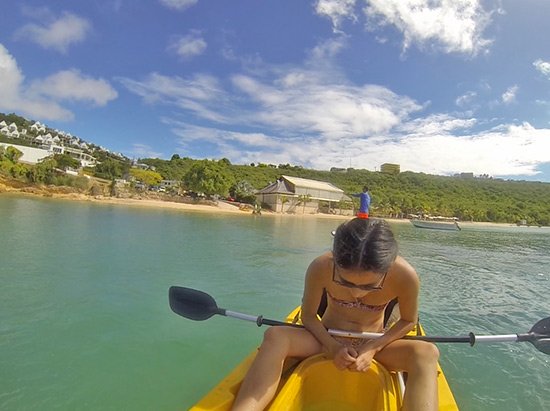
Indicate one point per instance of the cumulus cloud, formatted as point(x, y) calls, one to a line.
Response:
point(56, 33)
point(466, 99)
point(189, 46)
point(41, 99)
point(178, 4)
point(509, 96)
point(543, 67)
point(336, 11)
point(331, 110)
point(453, 26)
point(503, 151)
point(296, 100)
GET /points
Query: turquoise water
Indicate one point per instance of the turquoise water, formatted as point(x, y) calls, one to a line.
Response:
point(85, 322)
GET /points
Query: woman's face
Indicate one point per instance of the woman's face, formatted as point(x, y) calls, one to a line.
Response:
point(358, 281)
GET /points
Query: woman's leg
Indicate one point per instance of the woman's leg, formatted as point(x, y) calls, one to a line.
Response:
point(261, 381)
point(419, 360)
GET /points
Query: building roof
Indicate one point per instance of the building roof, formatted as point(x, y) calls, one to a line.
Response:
point(313, 184)
point(278, 187)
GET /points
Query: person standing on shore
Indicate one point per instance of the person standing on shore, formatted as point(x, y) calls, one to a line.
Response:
point(364, 205)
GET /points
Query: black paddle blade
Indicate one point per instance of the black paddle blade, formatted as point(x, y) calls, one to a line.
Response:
point(541, 330)
point(193, 304)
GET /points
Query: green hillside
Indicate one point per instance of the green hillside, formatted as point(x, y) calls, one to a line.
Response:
point(469, 199)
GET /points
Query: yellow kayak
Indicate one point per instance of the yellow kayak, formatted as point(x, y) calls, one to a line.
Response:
point(316, 384)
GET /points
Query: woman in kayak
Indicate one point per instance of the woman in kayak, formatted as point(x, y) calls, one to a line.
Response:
point(360, 276)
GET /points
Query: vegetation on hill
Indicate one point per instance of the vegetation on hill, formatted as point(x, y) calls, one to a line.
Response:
point(469, 199)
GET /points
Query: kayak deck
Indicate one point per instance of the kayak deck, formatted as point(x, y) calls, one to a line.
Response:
point(312, 387)
point(316, 384)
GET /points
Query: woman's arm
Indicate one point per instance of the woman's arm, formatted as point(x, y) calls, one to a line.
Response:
point(407, 286)
point(313, 292)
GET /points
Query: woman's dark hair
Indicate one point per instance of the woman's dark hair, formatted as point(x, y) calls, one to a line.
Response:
point(367, 244)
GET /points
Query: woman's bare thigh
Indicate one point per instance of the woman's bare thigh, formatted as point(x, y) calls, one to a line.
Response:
point(400, 354)
point(298, 342)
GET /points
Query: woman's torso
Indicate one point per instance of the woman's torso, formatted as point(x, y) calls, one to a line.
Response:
point(346, 312)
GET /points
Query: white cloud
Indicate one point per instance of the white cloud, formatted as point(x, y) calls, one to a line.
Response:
point(543, 67)
point(144, 151)
point(189, 46)
point(506, 150)
point(42, 98)
point(200, 94)
point(330, 110)
point(336, 11)
point(57, 34)
point(73, 85)
point(466, 99)
point(436, 124)
point(454, 26)
point(179, 4)
point(509, 96)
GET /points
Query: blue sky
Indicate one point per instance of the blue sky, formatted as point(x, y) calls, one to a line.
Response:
point(437, 86)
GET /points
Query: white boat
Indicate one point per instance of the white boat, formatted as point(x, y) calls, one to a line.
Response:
point(450, 225)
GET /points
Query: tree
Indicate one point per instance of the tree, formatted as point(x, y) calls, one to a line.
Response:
point(65, 161)
point(13, 154)
point(109, 169)
point(284, 200)
point(43, 171)
point(208, 177)
point(148, 177)
point(304, 199)
point(243, 191)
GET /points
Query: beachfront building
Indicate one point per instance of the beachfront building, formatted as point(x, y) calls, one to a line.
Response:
point(302, 196)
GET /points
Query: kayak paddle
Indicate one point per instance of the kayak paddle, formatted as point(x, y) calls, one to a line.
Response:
point(199, 306)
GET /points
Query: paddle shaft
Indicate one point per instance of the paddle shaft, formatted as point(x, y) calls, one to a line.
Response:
point(470, 339)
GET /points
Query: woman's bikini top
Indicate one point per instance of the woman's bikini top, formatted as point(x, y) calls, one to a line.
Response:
point(356, 304)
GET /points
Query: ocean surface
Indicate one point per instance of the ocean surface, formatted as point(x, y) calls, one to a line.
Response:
point(85, 322)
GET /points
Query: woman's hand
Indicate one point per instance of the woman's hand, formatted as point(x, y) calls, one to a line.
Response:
point(364, 359)
point(343, 357)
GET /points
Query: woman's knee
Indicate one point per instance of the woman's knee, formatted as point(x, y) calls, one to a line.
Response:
point(426, 353)
point(275, 337)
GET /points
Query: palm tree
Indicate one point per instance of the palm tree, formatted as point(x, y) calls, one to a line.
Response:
point(284, 199)
point(304, 199)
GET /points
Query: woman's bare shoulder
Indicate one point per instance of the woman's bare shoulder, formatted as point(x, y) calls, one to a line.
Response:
point(320, 265)
point(403, 270)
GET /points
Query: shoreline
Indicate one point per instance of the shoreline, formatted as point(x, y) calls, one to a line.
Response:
point(221, 208)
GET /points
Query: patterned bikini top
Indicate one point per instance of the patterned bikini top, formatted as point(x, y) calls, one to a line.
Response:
point(356, 304)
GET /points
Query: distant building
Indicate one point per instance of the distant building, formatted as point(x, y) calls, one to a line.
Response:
point(289, 193)
point(389, 168)
point(32, 155)
point(465, 175)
